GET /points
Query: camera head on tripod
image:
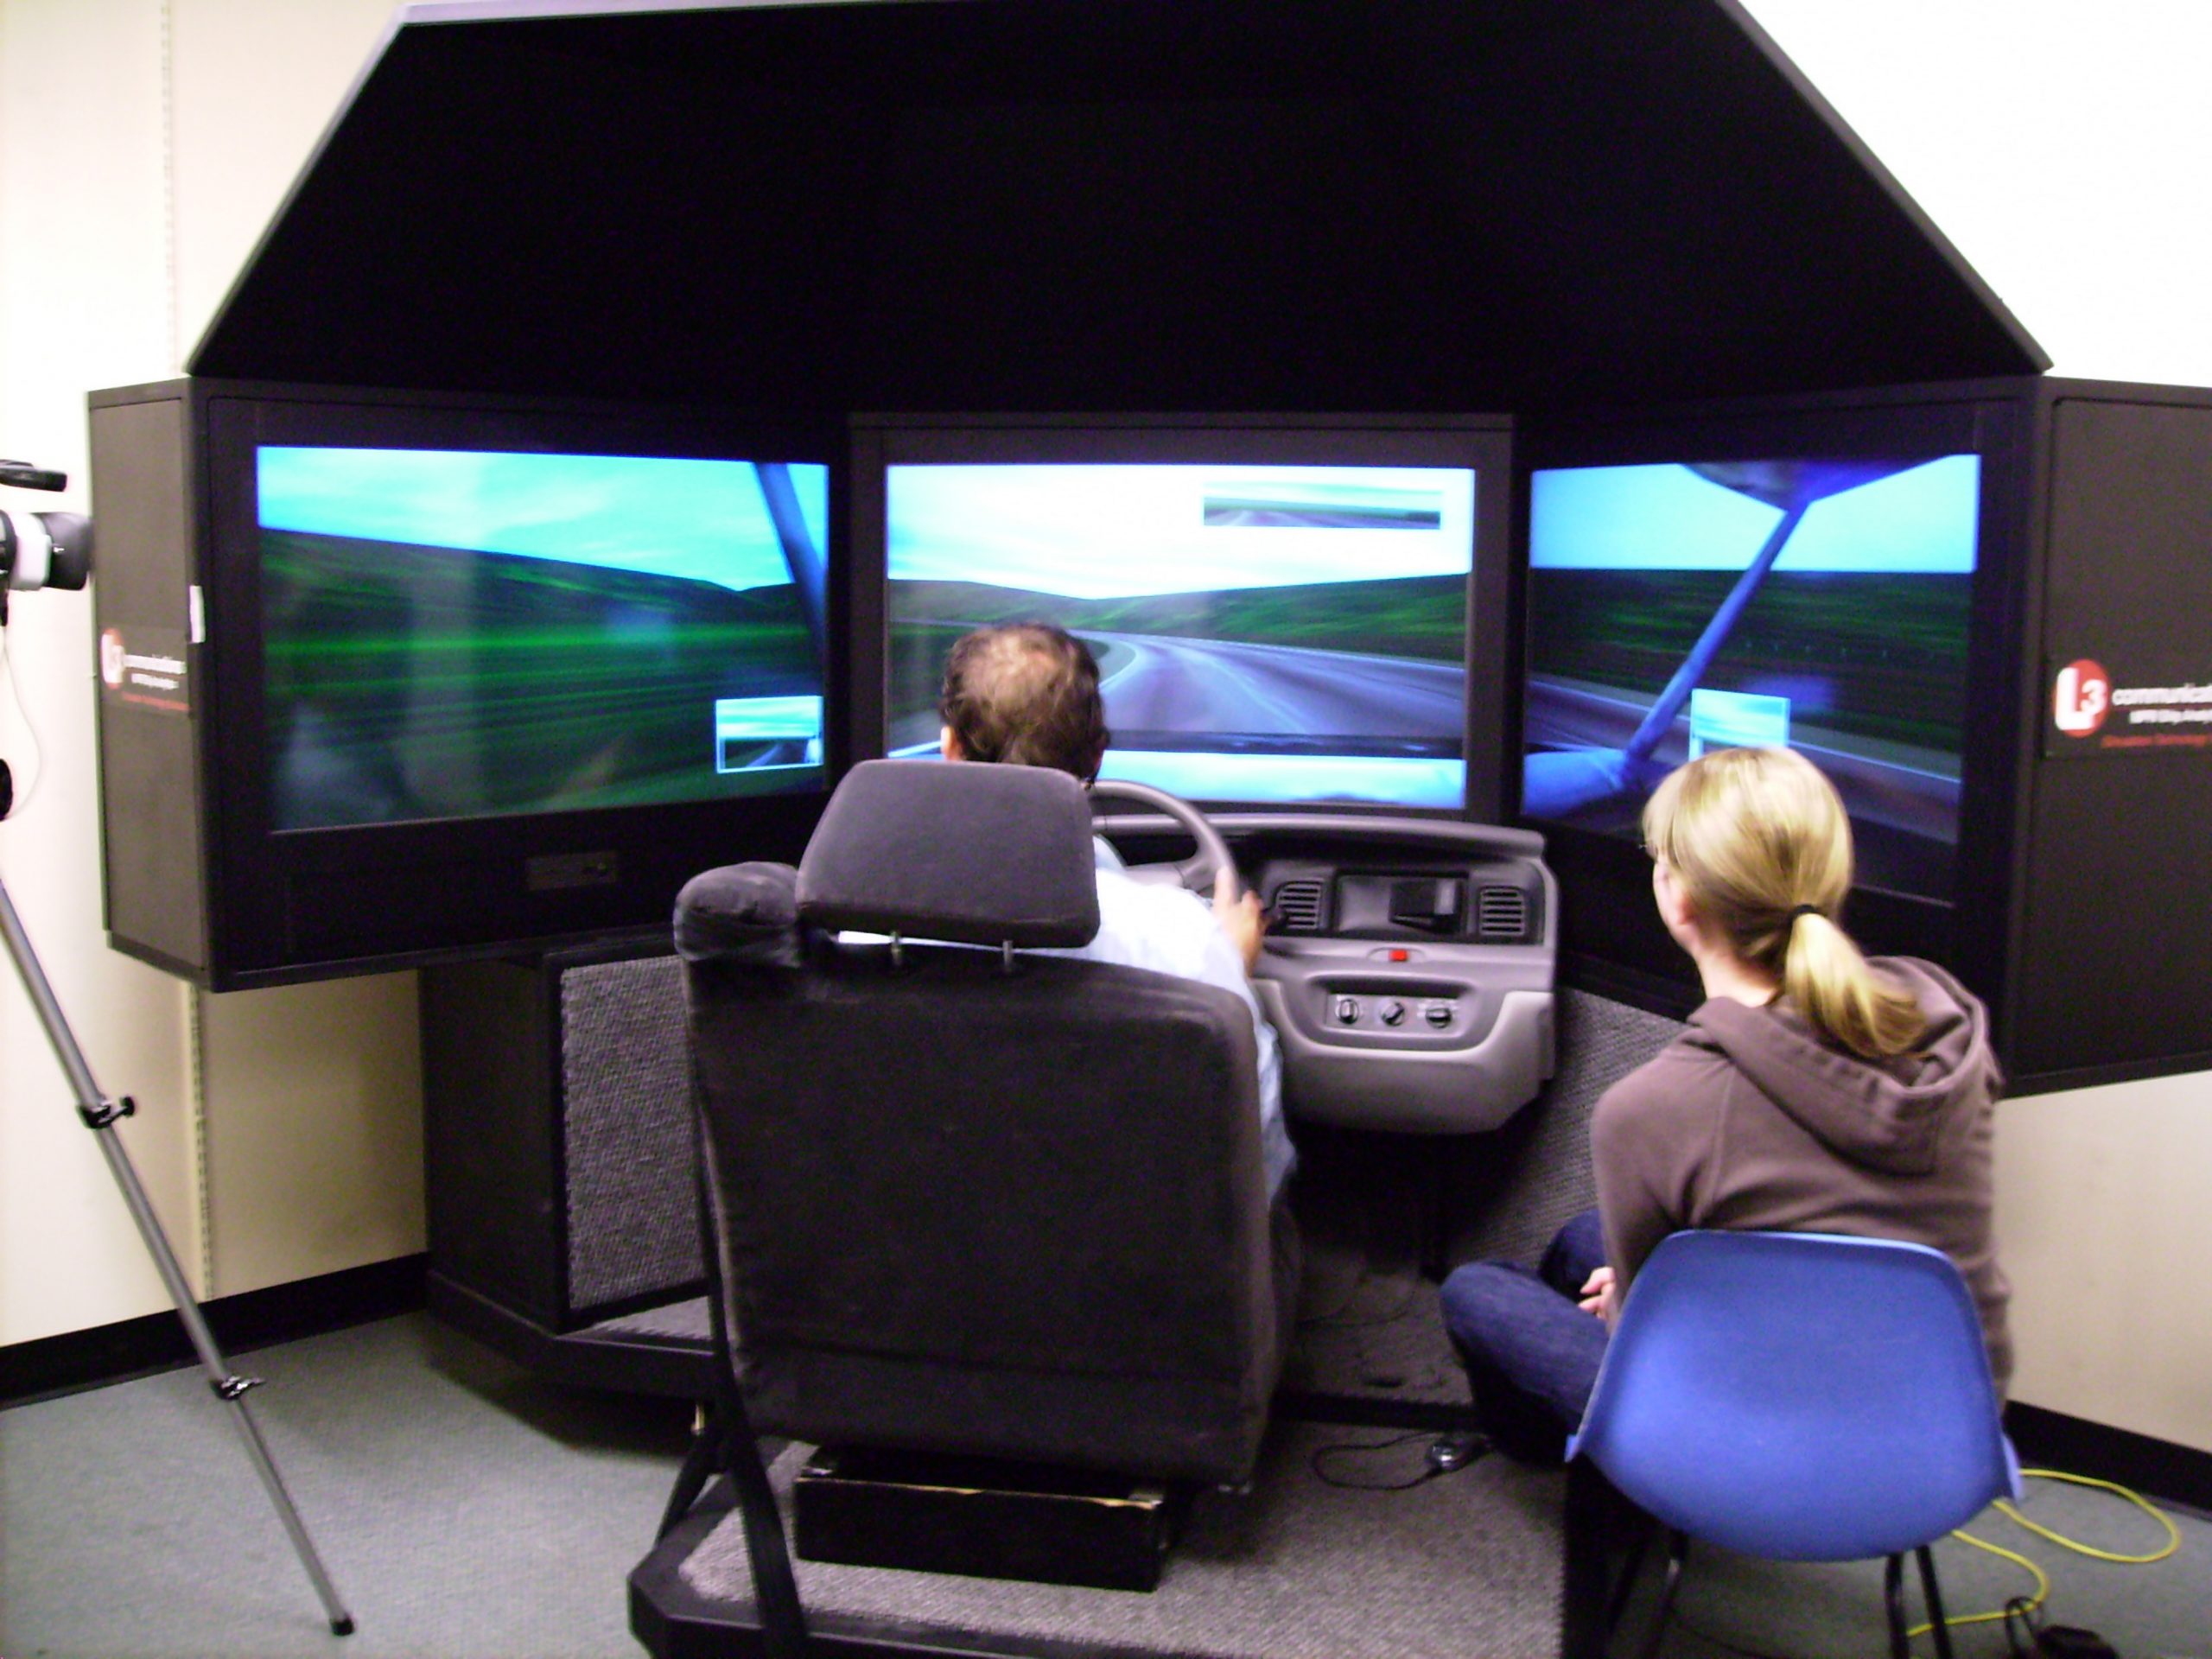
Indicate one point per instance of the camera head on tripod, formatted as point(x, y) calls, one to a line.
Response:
point(38, 549)
point(41, 550)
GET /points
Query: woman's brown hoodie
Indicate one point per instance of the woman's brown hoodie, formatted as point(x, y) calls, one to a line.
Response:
point(1749, 1120)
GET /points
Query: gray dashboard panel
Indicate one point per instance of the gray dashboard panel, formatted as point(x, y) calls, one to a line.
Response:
point(1439, 1023)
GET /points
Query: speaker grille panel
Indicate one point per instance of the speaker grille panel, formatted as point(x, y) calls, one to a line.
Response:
point(634, 1218)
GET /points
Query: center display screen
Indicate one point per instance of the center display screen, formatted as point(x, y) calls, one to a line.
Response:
point(455, 633)
point(1266, 633)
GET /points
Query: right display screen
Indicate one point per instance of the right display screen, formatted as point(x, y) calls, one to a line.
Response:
point(1822, 603)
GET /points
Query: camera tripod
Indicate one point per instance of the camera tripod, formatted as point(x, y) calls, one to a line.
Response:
point(99, 1114)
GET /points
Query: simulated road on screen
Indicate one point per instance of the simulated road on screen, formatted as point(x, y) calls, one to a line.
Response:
point(1158, 684)
point(1906, 817)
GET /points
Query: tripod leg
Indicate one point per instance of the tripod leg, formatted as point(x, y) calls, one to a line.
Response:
point(100, 1115)
point(341, 1622)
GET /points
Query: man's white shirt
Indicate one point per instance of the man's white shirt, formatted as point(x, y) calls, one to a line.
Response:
point(1172, 930)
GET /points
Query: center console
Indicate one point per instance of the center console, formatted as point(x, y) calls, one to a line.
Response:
point(1407, 967)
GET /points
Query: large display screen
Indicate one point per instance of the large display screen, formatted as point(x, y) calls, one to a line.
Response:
point(451, 633)
point(1823, 604)
point(1264, 633)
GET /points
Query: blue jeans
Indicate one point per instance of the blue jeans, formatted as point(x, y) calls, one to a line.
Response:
point(1531, 1353)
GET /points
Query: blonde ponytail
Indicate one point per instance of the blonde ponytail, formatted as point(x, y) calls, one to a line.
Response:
point(1828, 979)
point(1762, 846)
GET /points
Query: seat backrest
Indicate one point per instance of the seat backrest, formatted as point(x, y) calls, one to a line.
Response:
point(1002, 1205)
point(1799, 1396)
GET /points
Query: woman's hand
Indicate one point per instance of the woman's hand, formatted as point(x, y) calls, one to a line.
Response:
point(1601, 1295)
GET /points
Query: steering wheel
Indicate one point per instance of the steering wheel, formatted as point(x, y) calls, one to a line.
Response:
point(1196, 872)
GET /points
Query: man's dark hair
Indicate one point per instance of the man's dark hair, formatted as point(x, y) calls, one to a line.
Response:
point(1026, 694)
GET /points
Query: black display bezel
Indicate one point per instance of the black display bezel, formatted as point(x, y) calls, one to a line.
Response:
point(1482, 444)
point(1613, 935)
point(306, 903)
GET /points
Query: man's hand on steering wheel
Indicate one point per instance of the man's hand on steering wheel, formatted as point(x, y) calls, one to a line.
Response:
point(1210, 868)
point(1240, 916)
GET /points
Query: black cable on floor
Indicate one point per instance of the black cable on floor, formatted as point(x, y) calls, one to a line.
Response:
point(1448, 1454)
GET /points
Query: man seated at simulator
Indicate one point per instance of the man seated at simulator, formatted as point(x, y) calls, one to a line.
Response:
point(1027, 694)
point(1815, 1091)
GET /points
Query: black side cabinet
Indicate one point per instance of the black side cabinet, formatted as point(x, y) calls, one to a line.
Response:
point(559, 1161)
point(2075, 905)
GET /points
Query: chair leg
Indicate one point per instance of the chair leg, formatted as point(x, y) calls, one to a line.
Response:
point(702, 1462)
point(1617, 1603)
point(1893, 1599)
point(1678, 1549)
point(1941, 1629)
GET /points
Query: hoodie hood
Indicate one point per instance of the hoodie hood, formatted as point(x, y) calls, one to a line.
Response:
point(1883, 1114)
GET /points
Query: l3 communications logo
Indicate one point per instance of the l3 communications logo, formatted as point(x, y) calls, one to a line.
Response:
point(2082, 697)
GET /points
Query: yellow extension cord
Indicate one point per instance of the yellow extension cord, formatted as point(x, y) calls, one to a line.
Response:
point(2041, 1578)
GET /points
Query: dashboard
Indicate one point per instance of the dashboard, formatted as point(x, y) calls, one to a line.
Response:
point(1408, 965)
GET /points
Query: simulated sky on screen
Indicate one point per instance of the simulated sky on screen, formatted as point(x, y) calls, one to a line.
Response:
point(1668, 517)
point(704, 520)
point(1103, 531)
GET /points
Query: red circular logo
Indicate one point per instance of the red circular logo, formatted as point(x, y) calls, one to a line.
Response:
point(2081, 698)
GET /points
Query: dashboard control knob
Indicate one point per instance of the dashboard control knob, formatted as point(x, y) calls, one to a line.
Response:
point(1347, 1010)
point(1438, 1014)
point(1392, 1012)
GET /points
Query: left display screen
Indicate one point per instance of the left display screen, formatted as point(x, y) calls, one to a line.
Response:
point(468, 633)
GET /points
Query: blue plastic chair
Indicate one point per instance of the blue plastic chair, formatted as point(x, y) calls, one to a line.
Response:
point(1803, 1397)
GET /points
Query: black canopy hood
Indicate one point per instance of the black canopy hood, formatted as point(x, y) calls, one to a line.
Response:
point(1100, 205)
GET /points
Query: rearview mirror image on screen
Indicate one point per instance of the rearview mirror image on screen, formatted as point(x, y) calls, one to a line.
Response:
point(1264, 633)
point(454, 633)
point(1820, 604)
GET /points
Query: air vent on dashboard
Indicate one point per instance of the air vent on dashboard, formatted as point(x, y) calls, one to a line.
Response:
point(1297, 907)
point(1501, 915)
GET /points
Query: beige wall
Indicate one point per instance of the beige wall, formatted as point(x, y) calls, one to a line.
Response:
point(81, 298)
point(2058, 144)
point(312, 1126)
point(2102, 1200)
point(142, 146)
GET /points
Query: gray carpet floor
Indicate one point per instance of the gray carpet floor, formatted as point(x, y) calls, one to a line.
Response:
point(467, 1509)
point(1731, 1604)
point(461, 1508)
point(1357, 1559)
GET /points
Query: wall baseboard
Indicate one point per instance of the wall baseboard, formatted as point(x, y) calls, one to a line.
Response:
point(255, 1318)
point(2159, 1469)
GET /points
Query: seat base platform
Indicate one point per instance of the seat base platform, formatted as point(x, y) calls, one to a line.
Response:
point(1344, 1547)
point(864, 1506)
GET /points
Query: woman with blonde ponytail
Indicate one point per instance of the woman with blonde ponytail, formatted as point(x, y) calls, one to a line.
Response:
point(1758, 844)
point(1814, 1090)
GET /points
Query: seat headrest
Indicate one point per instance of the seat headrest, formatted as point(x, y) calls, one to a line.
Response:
point(971, 853)
point(739, 913)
